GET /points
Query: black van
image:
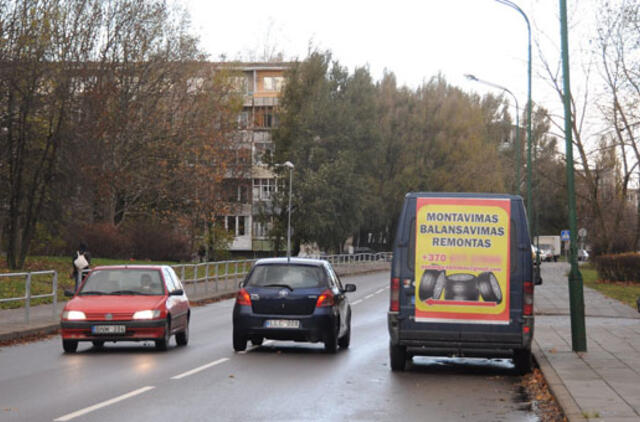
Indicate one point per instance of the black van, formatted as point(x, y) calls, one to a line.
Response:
point(462, 279)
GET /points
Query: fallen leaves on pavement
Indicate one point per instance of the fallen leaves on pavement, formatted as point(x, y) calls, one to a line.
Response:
point(545, 404)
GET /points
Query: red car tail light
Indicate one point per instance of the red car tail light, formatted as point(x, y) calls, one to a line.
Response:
point(394, 305)
point(325, 299)
point(527, 308)
point(243, 298)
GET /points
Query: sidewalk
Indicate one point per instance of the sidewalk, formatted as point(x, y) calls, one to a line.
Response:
point(44, 320)
point(602, 383)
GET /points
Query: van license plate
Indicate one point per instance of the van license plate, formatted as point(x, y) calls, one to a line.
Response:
point(108, 329)
point(282, 323)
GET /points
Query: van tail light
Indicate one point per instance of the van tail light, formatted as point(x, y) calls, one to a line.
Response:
point(325, 299)
point(243, 298)
point(394, 305)
point(527, 308)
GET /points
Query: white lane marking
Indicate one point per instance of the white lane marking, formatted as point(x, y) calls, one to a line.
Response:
point(200, 368)
point(368, 296)
point(103, 404)
point(244, 352)
point(379, 291)
point(355, 302)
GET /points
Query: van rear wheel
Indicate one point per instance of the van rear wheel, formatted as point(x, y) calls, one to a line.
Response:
point(523, 361)
point(398, 356)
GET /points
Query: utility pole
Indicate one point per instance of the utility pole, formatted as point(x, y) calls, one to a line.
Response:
point(576, 295)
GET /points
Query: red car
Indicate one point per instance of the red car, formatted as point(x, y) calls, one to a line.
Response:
point(127, 303)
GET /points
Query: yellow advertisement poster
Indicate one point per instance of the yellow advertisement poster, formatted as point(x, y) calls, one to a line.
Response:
point(462, 260)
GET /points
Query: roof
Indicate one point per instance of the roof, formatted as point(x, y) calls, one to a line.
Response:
point(298, 261)
point(131, 267)
point(472, 195)
point(253, 65)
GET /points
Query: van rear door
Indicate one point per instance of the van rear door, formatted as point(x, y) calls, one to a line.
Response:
point(461, 260)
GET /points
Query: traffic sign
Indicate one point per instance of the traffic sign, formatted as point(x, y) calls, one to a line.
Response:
point(564, 235)
point(582, 232)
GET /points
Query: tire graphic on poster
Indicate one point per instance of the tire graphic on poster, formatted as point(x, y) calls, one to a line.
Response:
point(431, 284)
point(461, 287)
point(489, 288)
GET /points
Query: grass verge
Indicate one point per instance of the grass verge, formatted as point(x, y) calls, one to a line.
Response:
point(42, 284)
point(624, 291)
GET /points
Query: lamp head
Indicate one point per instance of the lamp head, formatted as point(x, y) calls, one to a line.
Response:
point(471, 77)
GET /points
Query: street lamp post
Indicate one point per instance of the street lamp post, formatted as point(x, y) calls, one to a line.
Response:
point(290, 166)
point(576, 294)
point(529, 195)
point(517, 165)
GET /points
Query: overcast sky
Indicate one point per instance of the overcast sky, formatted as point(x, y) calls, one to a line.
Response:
point(413, 39)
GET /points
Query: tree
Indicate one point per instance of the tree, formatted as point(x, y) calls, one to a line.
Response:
point(607, 162)
point(549, 177)
point(359, 147)
point(156, 126)
point(619, 44)
point(41, 44)
point(109, 114)
point(327, 129)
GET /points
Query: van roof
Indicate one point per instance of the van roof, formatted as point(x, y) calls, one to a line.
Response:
point(462, 195)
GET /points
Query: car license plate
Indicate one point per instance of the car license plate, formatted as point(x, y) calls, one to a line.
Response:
point(108, 329)
point(282, 323)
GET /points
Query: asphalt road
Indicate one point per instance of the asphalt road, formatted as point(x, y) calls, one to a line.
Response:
point(207, 381)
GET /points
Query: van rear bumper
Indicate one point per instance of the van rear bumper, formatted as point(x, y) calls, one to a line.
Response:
point(456, 343)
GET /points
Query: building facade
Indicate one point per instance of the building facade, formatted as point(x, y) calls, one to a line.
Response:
point(261, 85)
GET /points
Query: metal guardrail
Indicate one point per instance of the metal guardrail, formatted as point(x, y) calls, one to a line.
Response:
point(359, 258)
point(213, 276)
point(223, 276)
point(28, 296)
point(218, 276)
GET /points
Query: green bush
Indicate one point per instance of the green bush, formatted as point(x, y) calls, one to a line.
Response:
point(139, 240)
point(619, 267)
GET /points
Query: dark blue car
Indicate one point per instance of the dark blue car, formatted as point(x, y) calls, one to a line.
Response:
point(298, 299)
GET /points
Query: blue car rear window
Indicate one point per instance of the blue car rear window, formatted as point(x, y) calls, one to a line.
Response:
point(293, 276)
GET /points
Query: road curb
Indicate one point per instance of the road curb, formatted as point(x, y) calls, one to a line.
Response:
point(558, 389)
point(29, 332)
point(216, 297)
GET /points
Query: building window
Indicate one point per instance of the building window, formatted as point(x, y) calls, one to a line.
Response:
point(243, 194)
point(266, 117)
point(240, 231)
point(231, 224)
point(240, 84)
point(263, 189)
point(235, 224)
point(273, 83)
point(243, 120)
point(262, 151)
point(195, 85)
point(261, 228)
point(269, 118)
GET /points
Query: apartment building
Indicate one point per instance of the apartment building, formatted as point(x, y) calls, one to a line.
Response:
point(261, 85)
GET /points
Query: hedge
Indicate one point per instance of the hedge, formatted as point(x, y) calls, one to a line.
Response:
point(619, 267)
